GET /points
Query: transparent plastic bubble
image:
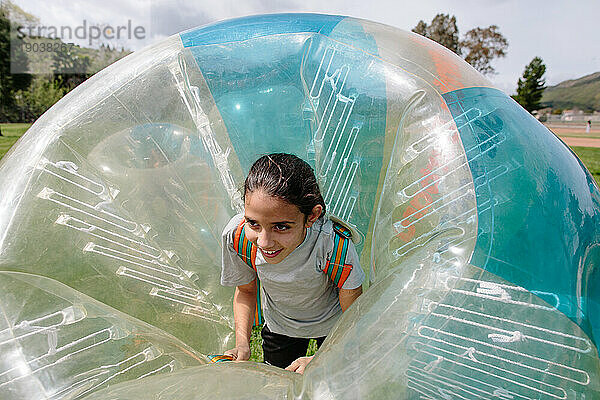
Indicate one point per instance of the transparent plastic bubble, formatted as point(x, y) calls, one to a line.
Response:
point(59, 343)
point(480, 227)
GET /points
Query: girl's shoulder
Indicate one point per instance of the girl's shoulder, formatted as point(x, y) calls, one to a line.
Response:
point(336, 242)
point(323, 227)
point(343, 228)
point(328, 228)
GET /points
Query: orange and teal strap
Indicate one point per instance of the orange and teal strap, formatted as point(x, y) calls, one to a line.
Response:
point(335, 268)
point(215, 358)
point(245, 249)
point(247, 252)
point(258, 316)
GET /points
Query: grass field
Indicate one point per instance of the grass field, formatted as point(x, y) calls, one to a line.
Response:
point(590, 156)
point(10, 134)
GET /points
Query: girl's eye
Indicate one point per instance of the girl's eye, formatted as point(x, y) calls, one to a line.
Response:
point(252, 224)
point(281, 227)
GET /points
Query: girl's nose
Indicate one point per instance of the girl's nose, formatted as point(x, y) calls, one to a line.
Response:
point(264, 240)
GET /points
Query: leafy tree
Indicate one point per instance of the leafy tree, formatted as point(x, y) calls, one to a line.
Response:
point(531, 88)
point(443, 30)
point(482, 45)
point(43, 92)
point(6, 94)
point(421, 28)
point(10, 83)
point(70, 67)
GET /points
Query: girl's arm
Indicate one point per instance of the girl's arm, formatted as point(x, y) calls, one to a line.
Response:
point(347, 296)
point(244, 306)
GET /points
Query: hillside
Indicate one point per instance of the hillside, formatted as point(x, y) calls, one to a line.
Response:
point(582, 93)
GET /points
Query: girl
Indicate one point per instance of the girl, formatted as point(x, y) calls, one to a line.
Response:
point(291, 247)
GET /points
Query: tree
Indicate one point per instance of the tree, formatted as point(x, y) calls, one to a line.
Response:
point(443, 30)
point(481, 45)
point(6, 94)
point(43, 92)
point(421, 28)
point(531, 87)
point(9, 82)
point(70, 67)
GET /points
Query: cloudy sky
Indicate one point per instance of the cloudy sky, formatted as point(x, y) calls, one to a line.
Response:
point(562, 33)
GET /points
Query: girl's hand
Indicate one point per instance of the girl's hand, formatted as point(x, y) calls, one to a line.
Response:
point(299, 365)
point(239, 353)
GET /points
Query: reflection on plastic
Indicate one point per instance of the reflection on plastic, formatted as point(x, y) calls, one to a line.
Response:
point(480, 227)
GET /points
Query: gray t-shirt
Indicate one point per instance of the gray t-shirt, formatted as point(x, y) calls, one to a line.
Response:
point(298, 299)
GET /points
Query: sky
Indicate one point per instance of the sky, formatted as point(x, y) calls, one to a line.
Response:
point(562, 33)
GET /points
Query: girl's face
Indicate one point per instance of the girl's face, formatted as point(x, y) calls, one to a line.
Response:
point(275, 226)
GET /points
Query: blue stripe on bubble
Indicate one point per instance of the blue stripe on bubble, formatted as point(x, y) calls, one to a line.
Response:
point(252, 27)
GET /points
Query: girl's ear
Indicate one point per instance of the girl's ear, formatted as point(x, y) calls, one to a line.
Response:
point(314, 215)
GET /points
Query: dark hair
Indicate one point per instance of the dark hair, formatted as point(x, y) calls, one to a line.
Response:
point(287, 177)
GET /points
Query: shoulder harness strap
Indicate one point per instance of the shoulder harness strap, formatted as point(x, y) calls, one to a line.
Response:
point(335, 267)
point(215, 358)
point(247, 252)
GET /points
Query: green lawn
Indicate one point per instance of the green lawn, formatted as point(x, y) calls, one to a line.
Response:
point(14, 129)
point(590, 157)
point(10, 134)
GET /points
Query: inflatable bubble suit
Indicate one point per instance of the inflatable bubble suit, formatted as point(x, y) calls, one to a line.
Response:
point(480, 228)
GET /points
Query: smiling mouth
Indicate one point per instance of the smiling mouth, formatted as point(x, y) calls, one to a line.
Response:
point(271, 254)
